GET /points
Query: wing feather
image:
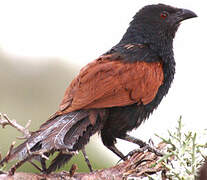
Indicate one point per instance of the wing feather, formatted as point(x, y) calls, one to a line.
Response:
point(104, 83)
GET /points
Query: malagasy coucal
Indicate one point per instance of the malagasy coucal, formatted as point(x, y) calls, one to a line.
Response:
point(114, 93)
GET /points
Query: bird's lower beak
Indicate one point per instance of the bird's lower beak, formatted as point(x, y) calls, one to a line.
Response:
point(184, 14)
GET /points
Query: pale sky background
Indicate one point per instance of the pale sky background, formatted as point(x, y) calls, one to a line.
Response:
point(79, 31)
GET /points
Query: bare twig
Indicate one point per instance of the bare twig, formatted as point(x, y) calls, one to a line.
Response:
point(4, 120)
point(37, 153)
point(37, 167)
point(8, 154)
point(72, 170)
point(17, 165)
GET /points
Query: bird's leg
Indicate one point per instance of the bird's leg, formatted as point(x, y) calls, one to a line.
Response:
point(142, 145)
point(108, 140)
point(134, 140)
point(86, 159)
point(117, 152)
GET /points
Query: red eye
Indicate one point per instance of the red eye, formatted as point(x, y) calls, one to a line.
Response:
point(164, 14)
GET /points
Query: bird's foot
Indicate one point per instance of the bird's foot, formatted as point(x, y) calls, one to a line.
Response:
point(143, 145)
point(147, 147)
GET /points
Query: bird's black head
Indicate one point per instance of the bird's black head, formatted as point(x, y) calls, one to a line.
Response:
point(156, 25)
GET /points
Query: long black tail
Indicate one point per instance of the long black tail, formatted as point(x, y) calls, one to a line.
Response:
point(69, 132)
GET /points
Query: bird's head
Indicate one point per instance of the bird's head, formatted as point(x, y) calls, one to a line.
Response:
point(156, 23)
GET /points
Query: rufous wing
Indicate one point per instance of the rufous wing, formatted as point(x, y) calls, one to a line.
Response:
point(106, 83)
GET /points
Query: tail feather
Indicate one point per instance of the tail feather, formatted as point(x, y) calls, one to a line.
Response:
point(59, 161)
point(68, 132)
point(50, 136)
point(85, 131)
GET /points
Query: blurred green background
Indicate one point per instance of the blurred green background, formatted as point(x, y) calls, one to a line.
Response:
point(33, 89)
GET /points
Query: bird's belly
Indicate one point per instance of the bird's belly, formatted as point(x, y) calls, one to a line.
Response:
point(123, 119)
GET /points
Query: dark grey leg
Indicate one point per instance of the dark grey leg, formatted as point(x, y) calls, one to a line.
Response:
point(86, 159)
point(116, 151)
point(142, 145)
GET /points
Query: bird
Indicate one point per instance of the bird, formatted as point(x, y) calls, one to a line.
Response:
point(114, 93)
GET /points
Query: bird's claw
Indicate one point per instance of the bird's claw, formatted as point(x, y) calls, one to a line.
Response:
point(143, 149)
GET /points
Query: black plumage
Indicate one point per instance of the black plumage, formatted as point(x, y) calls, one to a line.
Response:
point(115, 93)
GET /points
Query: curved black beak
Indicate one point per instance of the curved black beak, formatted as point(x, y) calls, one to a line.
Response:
point(183, 14)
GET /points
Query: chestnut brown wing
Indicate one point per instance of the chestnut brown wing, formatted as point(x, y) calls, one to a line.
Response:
point(104, 83)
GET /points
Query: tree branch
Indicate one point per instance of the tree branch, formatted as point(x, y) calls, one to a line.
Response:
point(139, 165)
point(4, 120)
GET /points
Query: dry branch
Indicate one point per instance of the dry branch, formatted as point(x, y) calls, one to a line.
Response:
point(139, 165)
point(4, 120)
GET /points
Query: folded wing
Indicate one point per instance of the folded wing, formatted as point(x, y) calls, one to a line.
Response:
point(106, 83)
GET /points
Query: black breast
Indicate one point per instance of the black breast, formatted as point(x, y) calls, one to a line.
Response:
point(123, 119)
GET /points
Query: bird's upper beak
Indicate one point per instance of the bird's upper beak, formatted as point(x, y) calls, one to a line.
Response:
point(183, 14)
